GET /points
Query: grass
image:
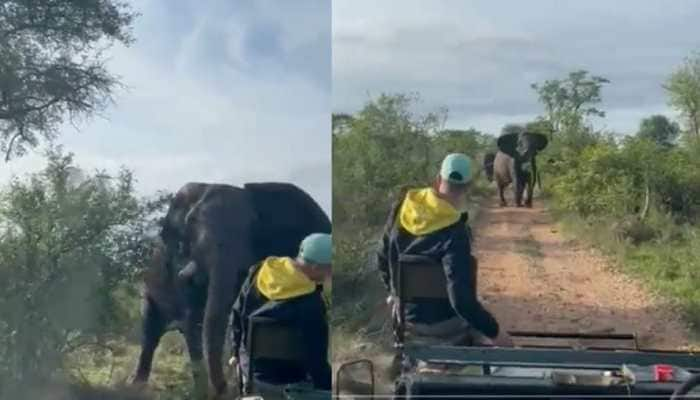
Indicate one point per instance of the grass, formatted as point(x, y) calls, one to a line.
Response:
point(170, 377)
point(104, 372)
point(668, 265)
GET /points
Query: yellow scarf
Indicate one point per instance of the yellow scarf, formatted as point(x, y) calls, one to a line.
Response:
point(423, 212)
point(279, 279)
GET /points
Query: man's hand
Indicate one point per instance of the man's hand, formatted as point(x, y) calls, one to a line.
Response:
point(503, 340)
point(393, 303)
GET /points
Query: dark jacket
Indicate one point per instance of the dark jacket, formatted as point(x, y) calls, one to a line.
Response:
point(306, 313)
point(449, 246)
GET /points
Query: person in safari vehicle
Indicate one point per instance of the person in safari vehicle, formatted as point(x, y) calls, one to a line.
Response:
point(288, 290)
point(427, 222)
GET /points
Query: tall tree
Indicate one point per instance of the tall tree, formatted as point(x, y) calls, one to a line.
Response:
point(659, 129)
point(570, 100)
point(683, 87)
point(52, 65)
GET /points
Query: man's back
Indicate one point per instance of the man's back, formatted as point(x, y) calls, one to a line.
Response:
point(273, 290)
point(422, 224)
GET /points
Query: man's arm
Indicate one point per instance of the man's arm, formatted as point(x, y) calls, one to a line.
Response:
point(236, 326)
point(381, 260)
point(238, 310)
point(381, 257)
point(314, 330)
point(460, 271)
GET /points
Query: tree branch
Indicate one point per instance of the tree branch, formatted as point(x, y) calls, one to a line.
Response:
point(10, 146)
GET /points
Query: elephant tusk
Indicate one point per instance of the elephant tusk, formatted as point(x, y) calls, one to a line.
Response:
point(645, 210)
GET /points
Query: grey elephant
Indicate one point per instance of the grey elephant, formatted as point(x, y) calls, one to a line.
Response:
point(516, 163)
point(210, 237)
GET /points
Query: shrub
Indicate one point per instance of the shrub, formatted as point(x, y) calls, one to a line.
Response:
point(71, 242)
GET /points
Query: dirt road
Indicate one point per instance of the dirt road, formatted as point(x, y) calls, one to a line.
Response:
point(532, 278)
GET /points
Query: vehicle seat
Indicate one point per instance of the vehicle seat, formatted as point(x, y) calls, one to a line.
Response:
point(269, 339)
point(418, 278)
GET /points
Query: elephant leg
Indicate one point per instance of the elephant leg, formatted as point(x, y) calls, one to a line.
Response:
point(193, 337)
point(503, 198)
point(153, 328)
point(517, 175)
point(528, 196)
point(518, 192)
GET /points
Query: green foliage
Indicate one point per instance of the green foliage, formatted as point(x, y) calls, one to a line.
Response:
point(569, 101)
point(366, 158)
point(659, 129)
point(683, 88)
point(71, 243)
point(593, 185)
point(611, 179)
point(540, 125)
point(341, 123)
point(52, 65)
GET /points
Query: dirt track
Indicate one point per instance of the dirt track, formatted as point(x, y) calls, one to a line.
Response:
point(534, 279)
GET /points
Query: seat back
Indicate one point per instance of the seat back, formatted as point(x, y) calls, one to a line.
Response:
point(271, 340)
point(418, 278)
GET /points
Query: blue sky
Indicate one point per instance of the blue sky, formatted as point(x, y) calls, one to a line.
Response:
point(479, 58)
point(217, 91)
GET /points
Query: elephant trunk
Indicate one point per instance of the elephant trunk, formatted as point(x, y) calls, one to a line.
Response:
point(536, 174)
point(224, 285)
point(533, 172)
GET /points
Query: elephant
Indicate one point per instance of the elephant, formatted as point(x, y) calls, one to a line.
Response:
point(217, 231)
point(515, 162)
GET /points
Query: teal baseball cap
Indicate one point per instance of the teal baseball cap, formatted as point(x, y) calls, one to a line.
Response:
point(317, 248)
point(456, 168)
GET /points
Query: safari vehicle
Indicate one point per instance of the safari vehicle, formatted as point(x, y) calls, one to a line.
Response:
point(604, 369)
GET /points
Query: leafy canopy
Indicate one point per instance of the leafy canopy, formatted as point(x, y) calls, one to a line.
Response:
point(52, 65)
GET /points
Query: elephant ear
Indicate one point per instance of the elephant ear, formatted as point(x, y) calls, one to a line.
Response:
point(508, 143)
point(538, 140)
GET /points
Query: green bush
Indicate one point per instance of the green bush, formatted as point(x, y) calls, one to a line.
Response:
point(607, 178)
point(72, 243)
point(593, 184)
